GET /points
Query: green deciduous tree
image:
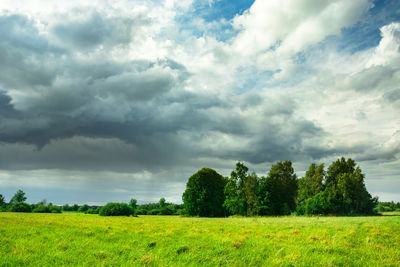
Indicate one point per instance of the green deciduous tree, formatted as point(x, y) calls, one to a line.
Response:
point(279, 189)
point(162, 202)
point(20, 207)
point(204, 194)
point(354, 196)
point(2, 201)
point(133, 203)
point(264, 207)
point(344, 191)
point(250, 191)
point(84, 208)
point(19, 196)
point(235, 196)
point(337, 167)
point(310, 185)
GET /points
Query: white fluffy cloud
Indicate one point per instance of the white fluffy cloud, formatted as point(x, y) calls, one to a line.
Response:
point(271, 32)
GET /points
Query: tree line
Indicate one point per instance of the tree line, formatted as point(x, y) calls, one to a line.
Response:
point(339, 190)
point(17, 204)
point(388, 206)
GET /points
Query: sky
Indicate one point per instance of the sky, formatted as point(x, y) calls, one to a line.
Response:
point(105, 100)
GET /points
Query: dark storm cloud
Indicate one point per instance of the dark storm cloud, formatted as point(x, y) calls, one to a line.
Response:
point(281, 140)
point(19, 32)
point(388, 151)
point(21, 62)
point(6, 108)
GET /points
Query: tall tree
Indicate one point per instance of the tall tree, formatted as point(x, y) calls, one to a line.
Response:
point(2, 201)
point(344, 191)
point(338, 167)
point(281, 188)
point(353, 194)
point(161, 203)
point(19, 196)
point(235, 196)
point(133, 203)
point(250, 190)
point(263, 193)
point(204, 194)
point(312, 183)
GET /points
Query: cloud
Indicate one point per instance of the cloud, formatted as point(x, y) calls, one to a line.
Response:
point(388, 50)
point(273, 32)
point(118, 93)
point(89, 29)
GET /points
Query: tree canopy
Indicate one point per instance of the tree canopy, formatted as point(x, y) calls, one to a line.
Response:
point(20, 207)
point(342, 191)
point(235, 195)
point(204, 194)
point(19, 196)
point(2, 201)
point(339, 190)
point(279, 189)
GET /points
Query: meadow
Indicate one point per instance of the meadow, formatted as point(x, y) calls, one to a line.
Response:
point(71, 239)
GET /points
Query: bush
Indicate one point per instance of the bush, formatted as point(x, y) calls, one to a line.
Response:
point(166, 211)
point(41, 209)
point(141, 212)
point(116, 209)
point(46, 209)
point(93, 211)
point(180, 212)
point(84, 208)
point(20, 207)
point(154, 212)
point(55, 209)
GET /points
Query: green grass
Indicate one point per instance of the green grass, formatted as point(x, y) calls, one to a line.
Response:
point(72, 239)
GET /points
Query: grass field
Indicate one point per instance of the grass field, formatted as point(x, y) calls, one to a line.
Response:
point(90, 240)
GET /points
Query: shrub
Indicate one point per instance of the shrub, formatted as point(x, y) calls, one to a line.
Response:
point(84, 208)
point(41, 209)
point(55, 209)
point(116, 209)
point(20, 207)
point(46, 209)
point(93, 211)
point(180, 212)
point(141, 212)
point(154, 212)
point(166, 211)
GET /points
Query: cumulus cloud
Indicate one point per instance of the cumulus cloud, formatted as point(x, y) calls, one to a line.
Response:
point(272, 32)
